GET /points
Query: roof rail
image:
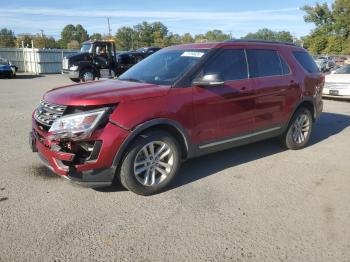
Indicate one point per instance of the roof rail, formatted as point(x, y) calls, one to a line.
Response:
point(261, 41)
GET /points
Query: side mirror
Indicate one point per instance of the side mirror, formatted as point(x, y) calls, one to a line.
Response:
point(208, 80)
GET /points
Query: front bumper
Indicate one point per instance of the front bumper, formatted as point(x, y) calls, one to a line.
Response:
point(70, 74)
point(95, 173)
point(4, 72)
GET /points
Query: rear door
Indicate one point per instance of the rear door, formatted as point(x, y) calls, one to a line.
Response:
point(225, 110)
point(272, 83)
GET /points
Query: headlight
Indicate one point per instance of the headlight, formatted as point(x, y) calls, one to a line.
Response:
point(77, 126)
point(74, 68)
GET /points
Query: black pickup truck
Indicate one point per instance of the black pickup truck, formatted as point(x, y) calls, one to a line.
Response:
point(99, 59)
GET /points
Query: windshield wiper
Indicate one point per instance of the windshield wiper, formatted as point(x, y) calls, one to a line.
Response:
point(133, 80)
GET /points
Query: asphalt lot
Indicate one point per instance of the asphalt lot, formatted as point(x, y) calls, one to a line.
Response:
point(254, 203)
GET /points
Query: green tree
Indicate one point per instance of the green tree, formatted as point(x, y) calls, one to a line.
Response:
point(315, 43)
point(81, 34)
point(26, 39)
point(125, 38)
point(7, 38)
point(39, 41)
point(334, 45)
point(216, 36)
point(341, 16)
point(173, 39)
point(71, 32)
point(199, 38)
point(96, 36)
point(320, 15)
point(43, 41)
point(269, 35)
point(187, 39)
point(332, 32)
point(74, 44)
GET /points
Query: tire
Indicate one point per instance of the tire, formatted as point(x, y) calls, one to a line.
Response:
point(142, 183)
point(87, 75)
point(299, 130)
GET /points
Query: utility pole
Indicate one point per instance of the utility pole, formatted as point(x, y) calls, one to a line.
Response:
point(230, 33)
point(42, 36)
point(109, 29)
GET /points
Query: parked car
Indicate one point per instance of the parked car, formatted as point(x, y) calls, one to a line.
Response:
point(7, 69)
point(182, 102)
point(338, 83)
point(99, 59)
point(325, 65)
point(148, 50)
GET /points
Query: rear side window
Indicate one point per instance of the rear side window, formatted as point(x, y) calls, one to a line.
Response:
point(306, 61)
point(229, 64)
point(264, 63)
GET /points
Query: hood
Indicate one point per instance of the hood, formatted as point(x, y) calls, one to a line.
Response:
point(78, 57)
point(103, 92)
point(338, 78)
point(5, 67)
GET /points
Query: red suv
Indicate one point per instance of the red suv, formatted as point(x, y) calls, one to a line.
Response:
point(182, 102)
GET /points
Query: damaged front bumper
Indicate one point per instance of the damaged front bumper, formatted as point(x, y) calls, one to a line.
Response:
point(93, 170)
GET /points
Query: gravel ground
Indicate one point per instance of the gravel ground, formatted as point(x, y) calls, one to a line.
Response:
point(254, 203)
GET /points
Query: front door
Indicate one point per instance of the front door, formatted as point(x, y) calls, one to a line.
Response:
point(226, 110)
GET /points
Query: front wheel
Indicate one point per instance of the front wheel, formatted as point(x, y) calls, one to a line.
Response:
point(87, 75)
point(299, 130)
point(150, 163)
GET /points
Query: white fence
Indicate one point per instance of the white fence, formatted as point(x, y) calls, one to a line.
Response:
point(34, 60)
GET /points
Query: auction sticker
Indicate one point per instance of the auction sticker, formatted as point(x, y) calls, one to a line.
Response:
point(193, 54)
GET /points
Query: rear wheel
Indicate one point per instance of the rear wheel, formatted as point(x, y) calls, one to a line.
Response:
point(299, 130)
point(150, 163)
point(87, 75)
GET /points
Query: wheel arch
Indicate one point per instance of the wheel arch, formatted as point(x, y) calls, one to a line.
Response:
point(170, 126)
point(89, 67)
point(307, 102)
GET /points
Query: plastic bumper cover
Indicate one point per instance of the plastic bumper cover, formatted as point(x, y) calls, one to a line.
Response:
point(97, 173)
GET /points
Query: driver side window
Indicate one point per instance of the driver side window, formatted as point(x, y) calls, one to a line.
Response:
point(229, 64)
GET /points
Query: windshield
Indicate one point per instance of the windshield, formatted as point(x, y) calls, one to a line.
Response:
point(164, 67)
point(343, 70)
point(86, 48)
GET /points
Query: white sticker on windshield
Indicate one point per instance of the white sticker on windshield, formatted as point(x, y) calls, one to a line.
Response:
point(193, 54)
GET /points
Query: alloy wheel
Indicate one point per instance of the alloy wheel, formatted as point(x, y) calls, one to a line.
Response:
point(153, 163)
point(88, 76)
point(301, 128)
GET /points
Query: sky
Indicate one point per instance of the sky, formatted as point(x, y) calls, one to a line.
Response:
point(180, 16)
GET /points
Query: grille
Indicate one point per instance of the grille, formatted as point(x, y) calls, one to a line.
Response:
point(47, 113)
point(65, 63)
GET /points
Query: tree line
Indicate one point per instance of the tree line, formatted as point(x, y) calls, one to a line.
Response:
point(129, 38)
point(331, 34)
